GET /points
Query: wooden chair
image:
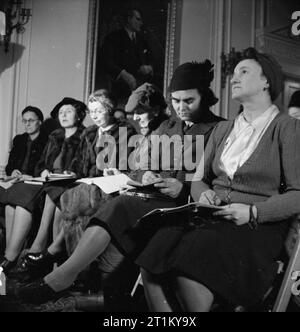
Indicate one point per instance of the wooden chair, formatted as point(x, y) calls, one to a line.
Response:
point(290, 285)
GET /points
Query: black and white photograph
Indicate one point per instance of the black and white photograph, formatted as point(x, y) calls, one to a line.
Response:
point(149, 158)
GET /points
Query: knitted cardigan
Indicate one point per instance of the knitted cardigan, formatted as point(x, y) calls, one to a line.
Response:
point(270, 178)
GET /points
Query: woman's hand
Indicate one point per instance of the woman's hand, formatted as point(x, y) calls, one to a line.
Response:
point(16, 173)
point(238, 213)
point(170, 187)
point(111, 171)
point(45, 174)
point(69, 173)
point(25, 177)
point(151, 177)
point(209, 197)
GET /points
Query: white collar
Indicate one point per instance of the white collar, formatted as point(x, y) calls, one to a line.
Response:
point(259, 123)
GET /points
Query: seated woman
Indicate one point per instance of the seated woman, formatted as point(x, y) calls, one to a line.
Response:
point(250, 168)
point(22, 199)
point(26, 151)
point(81, 199)
point(191, 99)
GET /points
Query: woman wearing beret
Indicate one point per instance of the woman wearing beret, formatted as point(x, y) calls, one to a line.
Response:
point(23, 198)
point(250, 169)
point(113, 222)
point(148, 105)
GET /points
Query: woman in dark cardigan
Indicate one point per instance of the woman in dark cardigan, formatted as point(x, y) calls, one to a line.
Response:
point(251, 169)
point(25, 153)
point(57, 157)
point(191, 99)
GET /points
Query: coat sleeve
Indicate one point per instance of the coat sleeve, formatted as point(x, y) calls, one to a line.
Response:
point(78, 162)
point(13, 157)
point(41, 165)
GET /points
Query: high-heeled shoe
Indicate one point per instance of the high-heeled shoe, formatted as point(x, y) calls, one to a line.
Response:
point(37, 292)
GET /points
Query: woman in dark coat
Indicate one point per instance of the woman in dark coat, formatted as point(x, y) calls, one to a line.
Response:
point(57, 157)
point(191, 99)
point(28, 147)
point(88, 162)
point(25, 153)
point(251, 170)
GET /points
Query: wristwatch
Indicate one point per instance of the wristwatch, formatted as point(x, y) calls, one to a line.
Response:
point(252, 220)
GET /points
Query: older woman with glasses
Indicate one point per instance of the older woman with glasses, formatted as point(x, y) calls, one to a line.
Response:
point(22, 200)
point(92, 158)
point(28, 147)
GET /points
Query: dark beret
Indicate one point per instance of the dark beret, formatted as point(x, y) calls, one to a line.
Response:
point(194, 75)
point(270, 67)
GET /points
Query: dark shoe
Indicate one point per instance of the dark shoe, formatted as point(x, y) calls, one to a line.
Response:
point(37, 292)
point(89, 302)
point(34, 266)
point(7, 265)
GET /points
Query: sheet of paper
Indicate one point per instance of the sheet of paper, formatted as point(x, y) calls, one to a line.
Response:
point(5, 185)
point(109, 184)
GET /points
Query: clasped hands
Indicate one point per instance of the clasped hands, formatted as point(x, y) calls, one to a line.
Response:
point(236, 212)
point(18, 176)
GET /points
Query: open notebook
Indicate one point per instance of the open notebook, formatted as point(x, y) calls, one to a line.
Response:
point(194, 206)
point(53, 177)
point(109, 184)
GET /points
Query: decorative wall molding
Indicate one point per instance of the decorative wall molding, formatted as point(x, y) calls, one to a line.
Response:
point(283, 48)
point(172, 37)
point(91, 48)
point(217, 35)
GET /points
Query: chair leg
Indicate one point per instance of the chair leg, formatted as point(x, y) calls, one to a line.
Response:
point(289, 281)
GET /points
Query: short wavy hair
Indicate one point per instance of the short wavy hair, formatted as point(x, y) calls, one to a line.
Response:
point(107, 99)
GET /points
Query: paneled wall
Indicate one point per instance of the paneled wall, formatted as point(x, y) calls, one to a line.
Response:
point(49, 60)
point(47, 63)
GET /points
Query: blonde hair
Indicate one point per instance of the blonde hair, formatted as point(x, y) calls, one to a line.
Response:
point(104, 97)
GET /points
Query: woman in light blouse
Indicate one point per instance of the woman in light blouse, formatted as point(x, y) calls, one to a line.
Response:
point(251, 170)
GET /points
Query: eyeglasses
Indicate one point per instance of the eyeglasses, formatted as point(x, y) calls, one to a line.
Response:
point(29, 121)
point(97, 112)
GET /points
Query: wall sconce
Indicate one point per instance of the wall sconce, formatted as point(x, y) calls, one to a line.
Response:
point(13, 16)
point(228, 63)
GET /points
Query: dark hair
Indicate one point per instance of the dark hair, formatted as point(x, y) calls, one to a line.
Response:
point(34, 110)
point(295, 99)
point(79, 107)
point(270, 69)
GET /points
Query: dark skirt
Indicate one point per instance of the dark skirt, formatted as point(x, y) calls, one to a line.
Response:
point(55, 189)
point(23, 195)
point(120, 215)
point(235, 262)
